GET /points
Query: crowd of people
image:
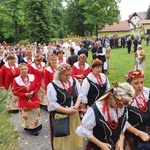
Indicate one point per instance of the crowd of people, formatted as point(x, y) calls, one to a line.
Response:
point(58, 78)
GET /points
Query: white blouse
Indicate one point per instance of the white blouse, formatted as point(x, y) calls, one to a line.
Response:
point(52, 94)
point(86, 85)
point(146, 96)
point(146, 93)
point(89, 121)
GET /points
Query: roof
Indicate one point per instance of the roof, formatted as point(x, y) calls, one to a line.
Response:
point(129, 21)
point(142, 15)
point(145, 21)
point(121, 26)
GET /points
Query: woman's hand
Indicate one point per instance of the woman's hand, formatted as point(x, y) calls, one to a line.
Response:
point(144, 136)
point(119, 145)
point(120, 142)
point(72, 110)
point(28, 95)
point(31, 94)
point(105, 146)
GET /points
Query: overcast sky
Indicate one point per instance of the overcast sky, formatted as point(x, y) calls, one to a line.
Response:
point(127, 7)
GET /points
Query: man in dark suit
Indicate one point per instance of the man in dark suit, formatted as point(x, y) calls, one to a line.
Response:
point(72, 58)
point(98, 51)
point(82, 50)
point(129, 43)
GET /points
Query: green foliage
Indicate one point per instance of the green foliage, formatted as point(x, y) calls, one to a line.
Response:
point(8, 136)
point(100, 12)
point(148, 13)
point(143, 36)
point(11, 18)
point(57, 23)
point(38, 17)
point(75, 19)
point(24, 42)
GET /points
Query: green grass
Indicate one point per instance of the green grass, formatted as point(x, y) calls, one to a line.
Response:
point(121, 62)
point(8, 136)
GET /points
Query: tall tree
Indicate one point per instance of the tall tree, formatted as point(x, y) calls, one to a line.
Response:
point(75, 18)
point(148, 13)
point(11, 18)
point(100, 12)
point(38, 17)
point(57, 23)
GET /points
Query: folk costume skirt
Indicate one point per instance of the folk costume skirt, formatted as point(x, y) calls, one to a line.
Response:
point(73, 141)
point(42, 95)
point(30, 119)
point(11, 101)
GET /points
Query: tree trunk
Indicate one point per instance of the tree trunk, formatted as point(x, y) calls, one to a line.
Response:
point(96, 31)
point(91, 31)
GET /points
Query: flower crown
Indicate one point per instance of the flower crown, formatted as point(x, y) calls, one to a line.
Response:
point(120, 99)
point(134, 74)
point(52, 57)
point(63, 67)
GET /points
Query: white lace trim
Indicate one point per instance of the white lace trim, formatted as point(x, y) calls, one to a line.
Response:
point(92, 77)
point(35, 67)
point(59, 84)
point(7, 66)
point(112, 111)
point(146, 95)
point(21, 83)
point(25, 59)
point(49, 69)
point(76, 64)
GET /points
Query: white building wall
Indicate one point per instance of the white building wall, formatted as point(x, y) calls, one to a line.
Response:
point(135, 19)
point(131, 26)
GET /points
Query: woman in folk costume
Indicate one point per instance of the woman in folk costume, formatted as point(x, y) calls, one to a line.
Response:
point(25, 87)
point(29, 59)
point(139, 111)
point(50, 69)
point(105, 121)
point(81, 69)
point(61, 58)
point(37, 68)
point(140, 58)
point(106, 63)
point(63, 95)
point(95, 84)
point(7, 73)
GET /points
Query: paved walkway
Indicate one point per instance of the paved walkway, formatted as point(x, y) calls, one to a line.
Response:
point(27, 141)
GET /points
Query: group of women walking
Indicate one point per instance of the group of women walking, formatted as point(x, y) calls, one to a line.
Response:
point(114, 118)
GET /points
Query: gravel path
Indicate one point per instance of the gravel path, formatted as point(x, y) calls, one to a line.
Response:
point(27, 141)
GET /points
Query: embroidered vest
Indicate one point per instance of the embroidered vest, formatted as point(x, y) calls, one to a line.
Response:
point(63, 98)
point(103, 132)
point(96, 91)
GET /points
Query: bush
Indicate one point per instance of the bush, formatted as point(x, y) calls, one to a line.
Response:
point(24, 42)
point(143, 36)
point(8, 136)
